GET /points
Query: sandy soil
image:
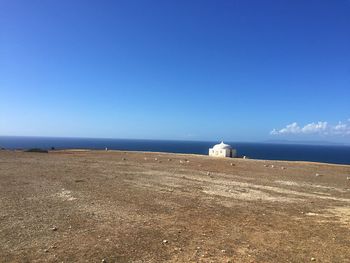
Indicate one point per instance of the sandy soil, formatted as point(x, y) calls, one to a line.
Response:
point(94, 206)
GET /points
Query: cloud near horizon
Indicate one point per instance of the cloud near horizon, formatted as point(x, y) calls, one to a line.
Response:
point(319, 128)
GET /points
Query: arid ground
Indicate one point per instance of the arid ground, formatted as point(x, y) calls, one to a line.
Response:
point(97, 206)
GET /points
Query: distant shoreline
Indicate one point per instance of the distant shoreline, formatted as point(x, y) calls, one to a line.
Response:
point(337, 154)
point(86, 150)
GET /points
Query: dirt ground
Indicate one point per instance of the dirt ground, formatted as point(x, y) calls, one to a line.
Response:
point(98, 206)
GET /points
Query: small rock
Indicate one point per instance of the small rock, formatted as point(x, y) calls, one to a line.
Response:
point(165, 241)
point(104, 261)
point(208, 173)
point(54, 228)
point(317, 174)
point(223, 251)
point(46, 250)
point(348, 178)
point(272, 166)
point(169, 160)
point(123, 159)
point(145, 158)
point(231, 164)
point(156, 159)
point(265, 165)
point(313, 259)
point(198, 248)
point(283, 168)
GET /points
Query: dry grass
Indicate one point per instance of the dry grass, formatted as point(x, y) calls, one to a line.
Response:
point(85, 206)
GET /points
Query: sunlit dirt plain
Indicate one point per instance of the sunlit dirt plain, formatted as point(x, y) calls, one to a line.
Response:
point(112, 206)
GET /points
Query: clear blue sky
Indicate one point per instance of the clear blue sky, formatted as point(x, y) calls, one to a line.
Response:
point(195, 70)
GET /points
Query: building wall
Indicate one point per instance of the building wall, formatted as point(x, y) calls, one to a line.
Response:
point(220, 153)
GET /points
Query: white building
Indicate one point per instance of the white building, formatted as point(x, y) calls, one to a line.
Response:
point(222, 150)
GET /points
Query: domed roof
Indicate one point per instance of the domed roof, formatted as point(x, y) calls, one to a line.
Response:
point(221, 146)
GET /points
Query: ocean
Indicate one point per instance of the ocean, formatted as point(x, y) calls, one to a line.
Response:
point(270, 151)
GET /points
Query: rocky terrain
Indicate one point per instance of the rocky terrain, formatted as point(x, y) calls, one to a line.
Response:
point(111, 206)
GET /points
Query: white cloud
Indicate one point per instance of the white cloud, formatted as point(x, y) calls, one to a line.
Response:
point(321, 128)
point(292, 128)
point(313, 127)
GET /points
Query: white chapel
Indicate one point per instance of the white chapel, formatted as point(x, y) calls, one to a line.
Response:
point(222, 150)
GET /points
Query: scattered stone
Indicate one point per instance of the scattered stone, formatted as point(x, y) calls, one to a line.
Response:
point(145, 158)
point(208, 173)
point(54, 228)
point(223, 251)
point(165, 241)
point(46, 250)
point(187, 161)
point(265, 165)
point(104, 261)
point(79, 180)
point(317, 174)
point(232, 164)
point(198, 248)
point(123, 159)
point(283, 168)
point(272, 166)
point(348, 178)
point(313, 259)
point(169, 160)
point(156, 159)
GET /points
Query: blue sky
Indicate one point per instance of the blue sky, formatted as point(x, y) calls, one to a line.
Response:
point(194, 70)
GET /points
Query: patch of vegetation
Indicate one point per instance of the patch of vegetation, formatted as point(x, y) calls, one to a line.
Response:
point(36, 150)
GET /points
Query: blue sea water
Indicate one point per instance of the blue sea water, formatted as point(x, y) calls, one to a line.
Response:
point(269, 151)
